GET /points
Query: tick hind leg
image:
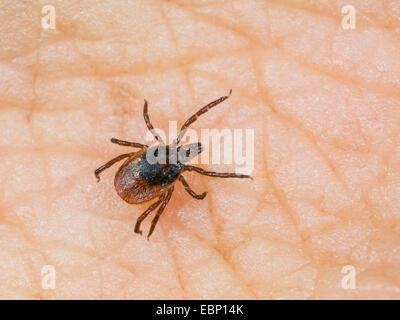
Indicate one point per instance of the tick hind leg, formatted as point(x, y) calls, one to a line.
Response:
point(147, 212)
point(110, 163)
point(215, 174)
point(190, 191)
point(160, 211)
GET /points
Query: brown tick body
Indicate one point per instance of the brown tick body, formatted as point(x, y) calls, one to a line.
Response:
point(141, 179)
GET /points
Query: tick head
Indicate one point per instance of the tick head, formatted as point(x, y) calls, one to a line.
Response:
point(162, 154)
point(188, 151)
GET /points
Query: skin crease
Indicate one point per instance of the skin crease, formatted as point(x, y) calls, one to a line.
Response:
point(324, 105)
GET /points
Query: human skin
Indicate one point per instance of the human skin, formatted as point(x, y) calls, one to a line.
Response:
point(324, 104)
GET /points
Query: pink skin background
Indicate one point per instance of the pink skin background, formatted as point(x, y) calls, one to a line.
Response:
point(325, 106)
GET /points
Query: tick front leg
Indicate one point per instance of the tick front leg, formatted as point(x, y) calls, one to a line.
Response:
point(215, 174)
point(110, 163)
point(147, 212)
point(190, 191)
point(128, 143)
point(160, 210)
point(194, 117)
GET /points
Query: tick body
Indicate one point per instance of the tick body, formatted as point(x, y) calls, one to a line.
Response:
point(139, 179)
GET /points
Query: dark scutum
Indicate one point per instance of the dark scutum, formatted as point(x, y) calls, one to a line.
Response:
point(159, 174)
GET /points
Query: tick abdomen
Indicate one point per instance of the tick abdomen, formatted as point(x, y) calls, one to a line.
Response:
point(130, 185)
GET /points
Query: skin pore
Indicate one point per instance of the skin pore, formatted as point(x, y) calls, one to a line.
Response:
point(324, 105)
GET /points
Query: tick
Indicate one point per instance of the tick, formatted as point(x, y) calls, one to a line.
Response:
point(139, 180)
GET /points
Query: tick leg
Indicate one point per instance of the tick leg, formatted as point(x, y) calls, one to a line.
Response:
point(128, 144)
point(110, 163)
point(160, 210)
point(147, 212)
point(190, 191)
point(194, 117)
point(149, 125)
point(215, 174)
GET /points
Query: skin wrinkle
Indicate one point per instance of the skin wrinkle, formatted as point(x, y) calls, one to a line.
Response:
point(281, 199)
point(235, 274)
point(25, 236)
point(242, 31)
point(144, 68)
point(266, 102)
point(375, 87)
point(218, 23)
point(341, 78)
point(295, 6)
point(25, 233)
point(278, 195)
point(173, 36)
point(175, 266)
point(227, 257)
point(331, 168)
point(311, 138)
